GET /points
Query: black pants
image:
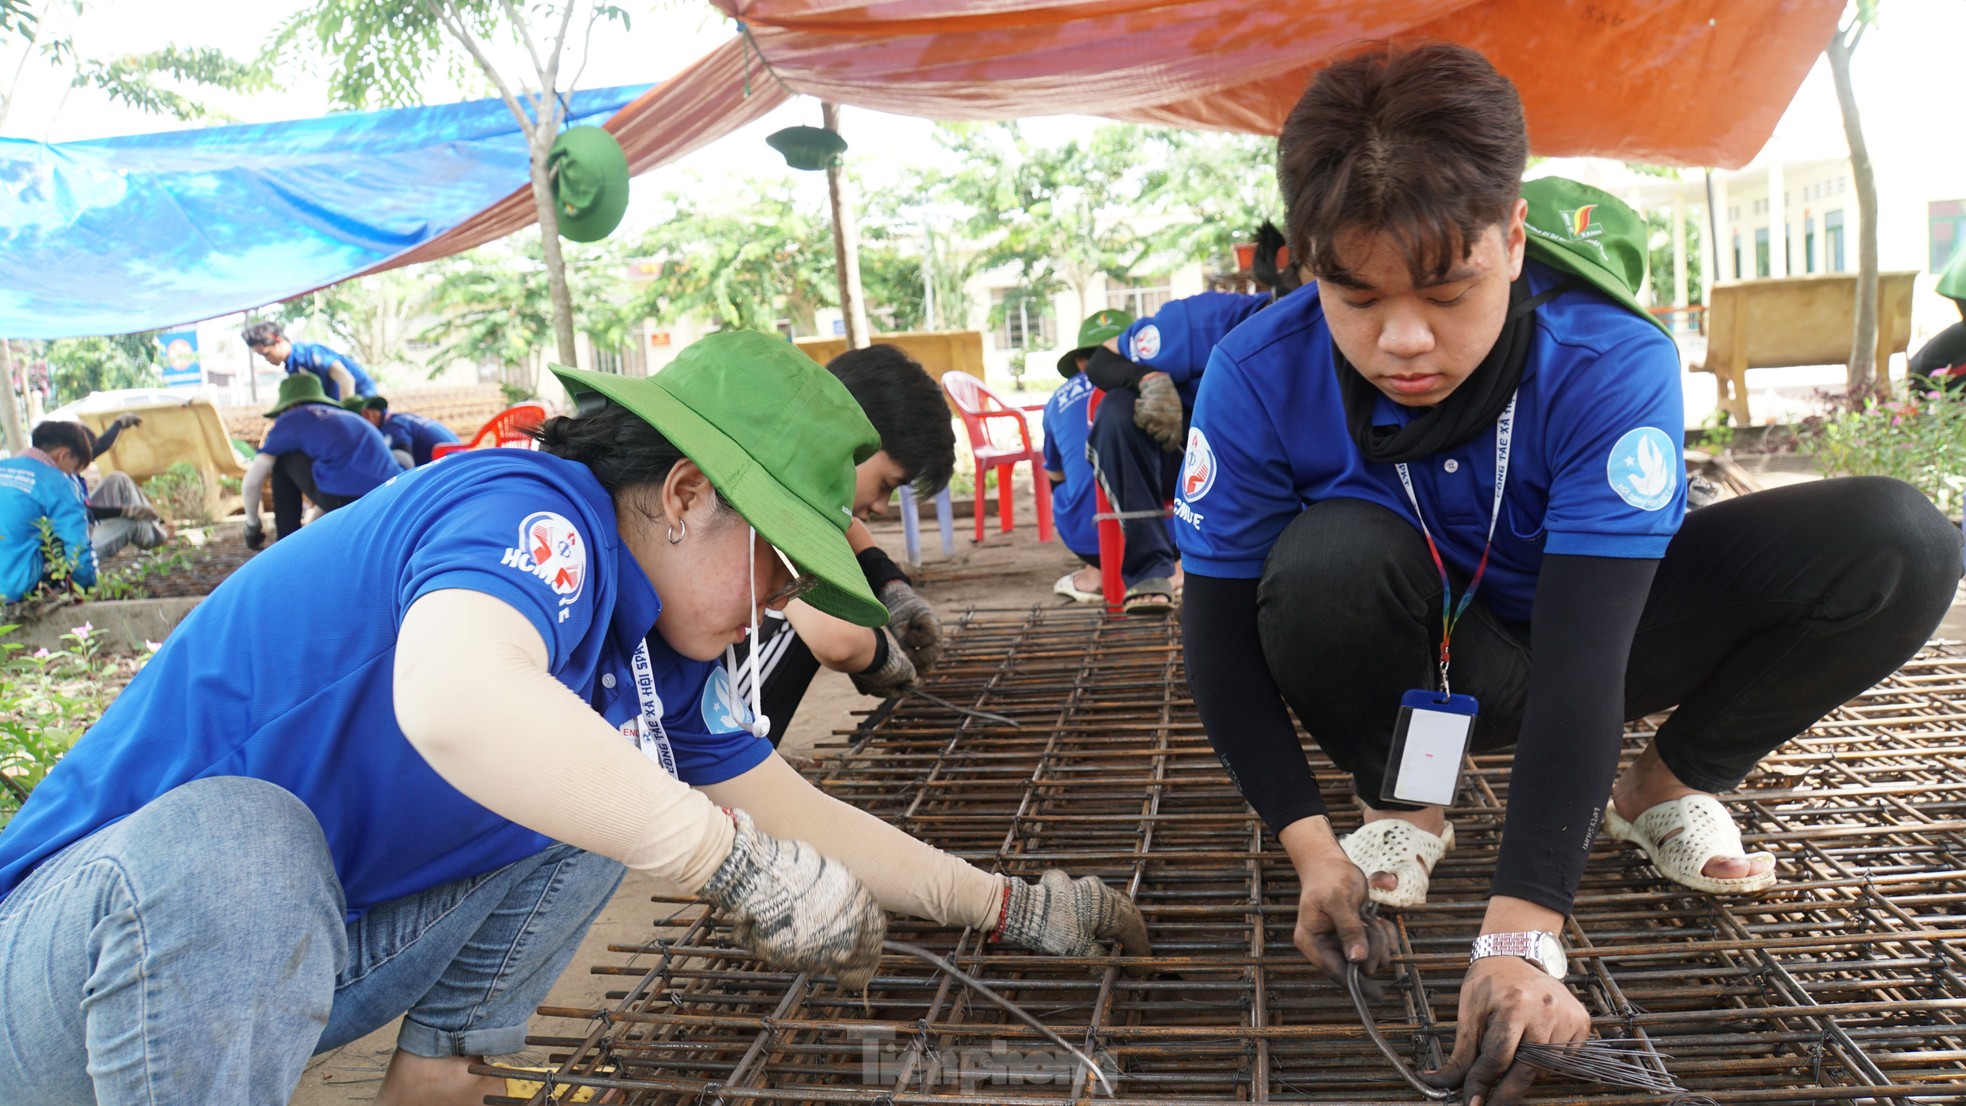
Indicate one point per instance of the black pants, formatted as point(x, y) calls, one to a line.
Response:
point(1946, 349)
point(1766, 613)
point(1139, 477)
point(293, 477)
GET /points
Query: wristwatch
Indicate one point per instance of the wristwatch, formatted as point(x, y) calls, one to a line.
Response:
point(1539, 948)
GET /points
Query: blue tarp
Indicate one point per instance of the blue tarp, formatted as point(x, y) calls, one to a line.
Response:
point(147, 231)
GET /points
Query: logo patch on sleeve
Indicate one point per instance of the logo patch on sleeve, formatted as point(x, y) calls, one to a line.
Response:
point(723, 711)
point(1643, 468)
point(1197, 467)
point(551, 550)
point(1145, 345)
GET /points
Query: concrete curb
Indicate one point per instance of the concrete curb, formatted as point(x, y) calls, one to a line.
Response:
point(121, 625)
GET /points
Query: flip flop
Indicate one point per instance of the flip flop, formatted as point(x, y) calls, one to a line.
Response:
point(1154, 595)
point(1401, 848)
point(1069, 590)
point(1704, 831)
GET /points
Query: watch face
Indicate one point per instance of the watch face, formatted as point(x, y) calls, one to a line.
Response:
point(1549, 954)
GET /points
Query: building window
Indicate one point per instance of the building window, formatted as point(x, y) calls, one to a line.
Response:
point(1809, 244)
point(1761, 252)
point(1833, 241)
point(1736, 270)
point(1946, 220)
point(1139, 298)
point(1023, 319)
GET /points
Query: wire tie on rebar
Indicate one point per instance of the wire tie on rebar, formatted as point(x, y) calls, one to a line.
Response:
point(710, 1089)
point(924, 1041)
point(771, 1029)
point(1816, 1057)
point(882, 1099)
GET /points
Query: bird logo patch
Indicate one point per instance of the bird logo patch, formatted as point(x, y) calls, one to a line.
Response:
point(1642, 468)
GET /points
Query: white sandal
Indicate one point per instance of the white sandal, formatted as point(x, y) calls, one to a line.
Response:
point(1070, 590)
point(1705, 832)
point(1401, 848)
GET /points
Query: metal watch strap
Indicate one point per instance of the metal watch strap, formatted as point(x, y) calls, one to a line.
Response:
point(1526, 945)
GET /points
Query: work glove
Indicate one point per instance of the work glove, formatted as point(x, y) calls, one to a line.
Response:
point(914, 624)
point(1158, 411)
point(255, 537)
point(891, 672)
point(798, 908)
point(1070, 917)
point(125, 422)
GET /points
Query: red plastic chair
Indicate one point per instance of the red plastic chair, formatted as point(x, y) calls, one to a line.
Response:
point(978, 406)
point(507, 428)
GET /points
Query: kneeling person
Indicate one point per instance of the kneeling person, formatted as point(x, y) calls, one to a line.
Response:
point(40, 485)
point(315, 449)
point(411, 437)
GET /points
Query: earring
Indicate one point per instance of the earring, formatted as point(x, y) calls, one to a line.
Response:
point(676, 538)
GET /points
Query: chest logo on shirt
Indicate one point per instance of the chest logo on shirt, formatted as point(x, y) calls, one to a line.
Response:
point(553, 551)
point(1145, 345)
point(1197, 467)
point(723, 711)
point(1641, 468)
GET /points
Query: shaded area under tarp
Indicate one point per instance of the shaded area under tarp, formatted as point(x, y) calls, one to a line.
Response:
point(134, 233)
point(1680, 82)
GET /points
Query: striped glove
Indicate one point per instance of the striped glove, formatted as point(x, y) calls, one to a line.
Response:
point(1158, 411)
point(913, 623)
point(798, 908)
point(1070, 917)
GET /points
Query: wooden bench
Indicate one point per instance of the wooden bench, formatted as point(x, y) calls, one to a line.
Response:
point(1792, 321)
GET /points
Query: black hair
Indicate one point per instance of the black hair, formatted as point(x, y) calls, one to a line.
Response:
point(907, 409)
point(1270, 245)
point(263, 333)
point(375, 403)
point(60, 434)
point(622, 450)
point(1424, 143)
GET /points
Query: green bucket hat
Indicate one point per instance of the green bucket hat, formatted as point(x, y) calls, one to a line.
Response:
point(1589, 233)
point(1952, 282)
point(590, 183)
point(778, 435)
point(357, 404)
point(808, 148)
point(1093, 332)
point(298, 388)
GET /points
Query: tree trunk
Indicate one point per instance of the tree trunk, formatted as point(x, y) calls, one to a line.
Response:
point(541, 139)
point(1864, 375)
point(9, 402)
point(846, 242)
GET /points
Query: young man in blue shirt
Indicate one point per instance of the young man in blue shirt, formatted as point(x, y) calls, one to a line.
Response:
point(411, 437)
point(316, 449)
point(41, 484)
point(1442, 423)
point(341, 375)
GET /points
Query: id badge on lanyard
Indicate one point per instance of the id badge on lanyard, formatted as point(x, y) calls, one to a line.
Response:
point(653, 739)
point(1432, 731)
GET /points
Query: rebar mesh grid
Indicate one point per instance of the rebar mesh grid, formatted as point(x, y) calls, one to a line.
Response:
point(1845, 983)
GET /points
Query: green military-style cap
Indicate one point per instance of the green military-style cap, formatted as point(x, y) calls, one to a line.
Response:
point(1095, 331)
point(1589, 233)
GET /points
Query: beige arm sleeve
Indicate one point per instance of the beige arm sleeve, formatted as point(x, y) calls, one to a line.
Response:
point(476, 699)
point(905, 875)
point(344, 381)
point(257, 471)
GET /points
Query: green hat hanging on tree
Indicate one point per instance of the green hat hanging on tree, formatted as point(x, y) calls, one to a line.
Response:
point(590, 183)
point(807, 147)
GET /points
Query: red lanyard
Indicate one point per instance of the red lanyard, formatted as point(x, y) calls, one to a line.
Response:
point(1450, 611)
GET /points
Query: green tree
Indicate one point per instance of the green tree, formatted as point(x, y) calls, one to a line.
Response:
point(744, 260)
point(1218, 188)
point(1061, 215)
point(380, 52)
point(164, 81)
point(491, 307)
point(78, 366)
point(369, 316)
point(1658, 231)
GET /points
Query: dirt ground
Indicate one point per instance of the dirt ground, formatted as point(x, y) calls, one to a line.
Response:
point(1013, 570)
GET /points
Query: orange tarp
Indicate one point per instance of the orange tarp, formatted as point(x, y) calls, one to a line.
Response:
point(1688, 82)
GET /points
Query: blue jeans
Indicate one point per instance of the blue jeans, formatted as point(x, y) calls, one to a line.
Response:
point(196, 952)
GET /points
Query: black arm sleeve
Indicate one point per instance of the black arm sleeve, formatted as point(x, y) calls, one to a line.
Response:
point(1240, 706)
point(1108, 370)
point(1587, 610)
point(879, 568)
point(97, 514)
point(106, 440)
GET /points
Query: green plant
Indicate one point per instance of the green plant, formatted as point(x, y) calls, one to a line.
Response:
point(1717, 430)
point(179, 493)
point(128, 579)
point(1920, 439)
point(515, 394)
point(48, 699)
point(57, 562)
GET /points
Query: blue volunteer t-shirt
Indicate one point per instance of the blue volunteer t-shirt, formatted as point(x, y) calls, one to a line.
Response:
point(225, 697)
point(1178, 338)
point(351, 458)
point(313, 357)
point(31, 490)
point(1595, 467)
point(415, 435)
point(1064, 451)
